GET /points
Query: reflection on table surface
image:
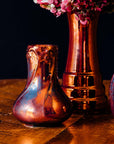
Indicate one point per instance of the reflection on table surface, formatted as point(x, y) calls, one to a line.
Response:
point(90, 130)
point(78, 129)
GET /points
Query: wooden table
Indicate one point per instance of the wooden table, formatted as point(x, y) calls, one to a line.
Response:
point(96, 129)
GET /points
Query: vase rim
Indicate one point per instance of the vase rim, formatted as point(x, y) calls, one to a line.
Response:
point(38, 47)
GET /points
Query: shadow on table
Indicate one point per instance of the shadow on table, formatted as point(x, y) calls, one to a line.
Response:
point(63, 138)
point(95, 129)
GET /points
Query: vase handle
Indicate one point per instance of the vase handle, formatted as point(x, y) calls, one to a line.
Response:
point(32, 61)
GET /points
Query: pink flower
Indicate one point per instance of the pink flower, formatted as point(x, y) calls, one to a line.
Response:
point(86, 6)
point(35, 1)
point(69, 8)
point(55, 2)
point(83, 22)
point(46, 2)
point(65, 2)
point(105, 1)
point(84, 9)
point(53, 10)
point(63, 8)
point(102, 5)
point(38, 1)
point(78, 1)
point(58, 13)
point(66, 6)
point(50, 1)
point(98, 9)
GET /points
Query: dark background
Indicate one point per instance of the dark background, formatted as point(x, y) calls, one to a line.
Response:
point(23, 23)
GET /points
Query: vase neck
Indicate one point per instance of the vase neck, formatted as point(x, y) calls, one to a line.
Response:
point(41, 63)
point(81, 40)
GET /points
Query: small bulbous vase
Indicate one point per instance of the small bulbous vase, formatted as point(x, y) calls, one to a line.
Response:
point(42, 102)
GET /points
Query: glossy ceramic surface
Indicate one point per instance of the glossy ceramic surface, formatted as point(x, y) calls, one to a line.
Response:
point(42, 101)
point(82, 81)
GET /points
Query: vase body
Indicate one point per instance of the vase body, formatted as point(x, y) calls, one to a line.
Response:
point(42, 101)
point(82, 81)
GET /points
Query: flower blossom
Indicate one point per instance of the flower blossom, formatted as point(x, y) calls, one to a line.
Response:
point(53, 8)
point(84, 9)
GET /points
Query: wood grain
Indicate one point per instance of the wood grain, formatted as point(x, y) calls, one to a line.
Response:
point(11, 130)
point(97, 129)
point(76, 130)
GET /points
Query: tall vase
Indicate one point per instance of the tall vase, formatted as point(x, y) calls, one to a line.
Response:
point(82, 81)
point(42, 102)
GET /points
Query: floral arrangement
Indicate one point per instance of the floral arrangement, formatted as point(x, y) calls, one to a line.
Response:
point(84, 9)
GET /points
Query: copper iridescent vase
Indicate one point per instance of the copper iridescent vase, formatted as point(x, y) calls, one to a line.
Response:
point(82, 80)
point(42, 102)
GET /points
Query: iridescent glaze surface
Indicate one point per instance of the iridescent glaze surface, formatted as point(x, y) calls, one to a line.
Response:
point(42, 101)
point(82, 80)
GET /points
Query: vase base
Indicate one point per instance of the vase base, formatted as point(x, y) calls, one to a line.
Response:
point(91, 107)
point(29, 125)
point(43, 125)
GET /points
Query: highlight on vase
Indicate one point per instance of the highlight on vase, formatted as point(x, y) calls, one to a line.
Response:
point(42, 102)
point(82, 81)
